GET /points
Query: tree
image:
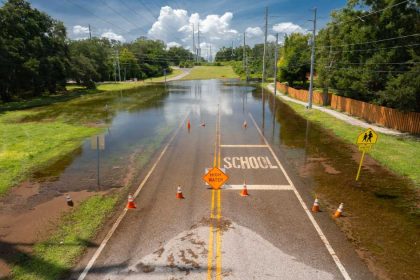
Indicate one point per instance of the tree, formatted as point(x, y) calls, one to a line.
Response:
point(33, 51)
point(372, 56)
point(294, 59)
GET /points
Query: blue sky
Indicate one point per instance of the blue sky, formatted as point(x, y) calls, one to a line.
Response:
point(221, 21)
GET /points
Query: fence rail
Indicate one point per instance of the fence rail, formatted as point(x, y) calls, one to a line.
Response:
point(384, 116)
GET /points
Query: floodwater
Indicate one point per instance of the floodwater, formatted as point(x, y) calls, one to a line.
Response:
point(381, 209)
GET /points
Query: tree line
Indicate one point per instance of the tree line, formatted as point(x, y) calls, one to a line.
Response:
point(37, 57)
point(370, 54)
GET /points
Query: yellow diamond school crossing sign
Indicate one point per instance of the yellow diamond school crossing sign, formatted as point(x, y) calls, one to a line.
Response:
point(215, 178)
point(366, 139)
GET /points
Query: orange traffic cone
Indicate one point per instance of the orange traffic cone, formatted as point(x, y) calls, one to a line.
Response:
point(339, 211)
point(315, 207)
point(130, 203)
point(245, 125)
point(244, 191)
point(179, 193)
point(69, 200)
point(188, 125)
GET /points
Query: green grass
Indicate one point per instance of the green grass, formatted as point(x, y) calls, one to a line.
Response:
point(28, 147)
point(56, 255)
point(395, 152)
point(211, 72)
point(129, 85)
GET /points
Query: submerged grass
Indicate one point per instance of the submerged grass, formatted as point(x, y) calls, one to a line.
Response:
point(211, 72)
point(394, 152)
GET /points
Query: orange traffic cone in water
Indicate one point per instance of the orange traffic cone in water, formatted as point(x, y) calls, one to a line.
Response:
point(69, 200)
point(315, 207)
point(130, 203)
point(339, 211)
point(245, 125)
point(244, 191)
point(179, 193)
point(188, 125)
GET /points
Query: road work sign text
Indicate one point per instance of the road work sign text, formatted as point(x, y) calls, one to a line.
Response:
point(248, 163)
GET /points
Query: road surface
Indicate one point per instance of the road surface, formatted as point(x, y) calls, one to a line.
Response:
point(219, 234)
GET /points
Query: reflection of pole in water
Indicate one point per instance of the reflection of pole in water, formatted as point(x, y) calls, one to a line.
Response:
point(263, 110)
point(308, 124)
point(274, 115)
point(243, 103)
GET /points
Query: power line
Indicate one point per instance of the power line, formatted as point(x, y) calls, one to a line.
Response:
point(382, 40)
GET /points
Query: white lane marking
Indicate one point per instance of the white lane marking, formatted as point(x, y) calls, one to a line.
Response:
point(248, 163)
point(243, 146)
point(259, 187)
point(308, 213)
point(118, 221)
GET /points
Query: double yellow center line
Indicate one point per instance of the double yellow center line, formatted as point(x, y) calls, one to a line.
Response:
point(215, 215)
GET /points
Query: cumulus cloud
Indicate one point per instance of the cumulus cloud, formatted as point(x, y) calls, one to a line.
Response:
point(176, 26)
point(271, 38)
point(80, 30)
point(113, 36)
point(172, 44)
point(288, 28)
point(252, 32)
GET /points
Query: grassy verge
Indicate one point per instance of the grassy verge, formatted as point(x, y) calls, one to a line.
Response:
point(56, 255)
point(211, 72)
point(394, 152)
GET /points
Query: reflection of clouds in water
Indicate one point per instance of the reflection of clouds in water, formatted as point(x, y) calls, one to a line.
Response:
point(199, 97)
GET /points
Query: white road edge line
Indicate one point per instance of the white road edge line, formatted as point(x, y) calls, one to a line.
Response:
point(118, 221)
point(243, 146)
point(308, 213)
point(258, 187)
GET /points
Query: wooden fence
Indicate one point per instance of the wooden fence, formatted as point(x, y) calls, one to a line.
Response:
point(387, 117)
point(301, 94)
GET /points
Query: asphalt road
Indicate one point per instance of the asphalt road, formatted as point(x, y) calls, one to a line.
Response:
point(218, 234)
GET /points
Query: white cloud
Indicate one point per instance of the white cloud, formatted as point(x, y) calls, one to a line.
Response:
point(113, 36)
point(172, 44)
point(288, 28)
point(80, 30)
point(176, 26)
point(252, 32)
point(271, 38)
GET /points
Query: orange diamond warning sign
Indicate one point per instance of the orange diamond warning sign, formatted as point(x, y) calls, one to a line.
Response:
point(215, 178)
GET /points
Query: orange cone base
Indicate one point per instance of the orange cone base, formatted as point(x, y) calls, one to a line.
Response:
point(244, 192)
point(131, 205)
point(337, 214)
point(179, 196)
point(315, 208)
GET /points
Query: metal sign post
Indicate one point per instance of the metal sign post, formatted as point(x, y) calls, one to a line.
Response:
point(98, 143)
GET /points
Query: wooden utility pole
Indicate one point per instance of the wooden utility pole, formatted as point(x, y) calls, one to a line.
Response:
point(275, 64)
point(265, 43)
point(311, 83)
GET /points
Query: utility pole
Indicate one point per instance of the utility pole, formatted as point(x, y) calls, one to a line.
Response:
point(90, 33)
point(211, 55)
point(231, 54)
point(243, 53)
point(194, 50)
point(199, 47)
point(118, 66)
point(246, 59)
point(275, 64)
point(265, 43)
point(311, 84)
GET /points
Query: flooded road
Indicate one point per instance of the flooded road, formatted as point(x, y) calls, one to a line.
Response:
point(381, 214)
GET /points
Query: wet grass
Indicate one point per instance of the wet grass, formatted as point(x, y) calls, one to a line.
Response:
point(211, 72)
point(55, 256)
point(395, 152)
